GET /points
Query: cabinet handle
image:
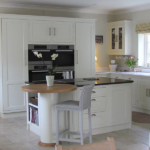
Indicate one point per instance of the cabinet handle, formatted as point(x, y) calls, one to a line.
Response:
point(93, 92)
point(149, 93)
point(93, 115)
point(93, 99)
point(117, 39)
point(146, 92)
point(54, 31)
point(25, 57)
point(49, 31)
point(77, 57)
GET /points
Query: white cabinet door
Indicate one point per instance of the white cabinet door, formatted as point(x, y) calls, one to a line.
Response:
point(144, 93)
point(40, 31)
point(85, 50)
point(121, 104)
point(15, 70)
point(134, 91)
point(63, 32)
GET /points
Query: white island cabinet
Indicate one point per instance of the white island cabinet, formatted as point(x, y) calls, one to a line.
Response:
point(110, 110)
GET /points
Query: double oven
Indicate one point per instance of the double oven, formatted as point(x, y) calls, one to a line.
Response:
point(38, 69)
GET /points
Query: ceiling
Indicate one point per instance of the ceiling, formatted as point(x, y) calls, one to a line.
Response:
point(87, 6)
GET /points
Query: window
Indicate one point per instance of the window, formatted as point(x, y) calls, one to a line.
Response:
point(144, 50)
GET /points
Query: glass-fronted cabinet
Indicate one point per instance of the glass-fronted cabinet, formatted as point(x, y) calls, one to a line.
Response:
point(120, 38)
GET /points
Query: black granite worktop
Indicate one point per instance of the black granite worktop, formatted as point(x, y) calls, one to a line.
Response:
point(79, 82)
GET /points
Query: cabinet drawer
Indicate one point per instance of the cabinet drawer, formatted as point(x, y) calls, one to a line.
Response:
point(98, 120)
point(96, 92)
point(117, 76)
point(97, 104)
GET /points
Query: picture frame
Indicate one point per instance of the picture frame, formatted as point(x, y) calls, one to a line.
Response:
point(99, 39)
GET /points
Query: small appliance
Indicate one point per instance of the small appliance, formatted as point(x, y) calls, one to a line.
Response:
point(113, 66)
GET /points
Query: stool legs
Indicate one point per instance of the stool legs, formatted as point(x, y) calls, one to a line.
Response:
point(69, 124)
point(81, 126)
point(90, 126)
point(57, 134)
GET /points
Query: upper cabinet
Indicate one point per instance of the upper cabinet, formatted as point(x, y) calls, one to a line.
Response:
point(52, 31)
point(120, 38)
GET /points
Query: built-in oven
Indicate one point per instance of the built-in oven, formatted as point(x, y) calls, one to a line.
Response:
point(64, 62)
point(65, 56)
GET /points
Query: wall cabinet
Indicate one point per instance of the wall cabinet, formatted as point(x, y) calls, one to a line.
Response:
point(120, 38)
point(15, 69)
point(51, 31)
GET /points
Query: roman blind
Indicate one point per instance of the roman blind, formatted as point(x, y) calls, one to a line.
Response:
point(143, 28)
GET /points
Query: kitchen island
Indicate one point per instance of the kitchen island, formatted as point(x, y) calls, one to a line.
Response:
point(110, 107)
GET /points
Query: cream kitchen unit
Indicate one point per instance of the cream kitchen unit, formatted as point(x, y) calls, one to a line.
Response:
point(17, 31)
point(140, 88)
point(120, 38)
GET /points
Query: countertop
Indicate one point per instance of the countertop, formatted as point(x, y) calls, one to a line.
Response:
point(79, 82)
point(128, 73)
point(43, 88)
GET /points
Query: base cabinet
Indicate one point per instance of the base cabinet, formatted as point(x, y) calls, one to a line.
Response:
point(121, 104)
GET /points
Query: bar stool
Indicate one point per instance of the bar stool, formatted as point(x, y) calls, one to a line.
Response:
point(71, 105)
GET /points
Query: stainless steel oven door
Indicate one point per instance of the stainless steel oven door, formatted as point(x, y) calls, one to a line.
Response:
point(37, 75)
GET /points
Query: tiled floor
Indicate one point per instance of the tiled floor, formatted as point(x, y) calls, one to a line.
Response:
point(14, 136)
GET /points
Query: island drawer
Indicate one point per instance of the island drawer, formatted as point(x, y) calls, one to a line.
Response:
point(97, 104)
point(100, 91)
point(98, 120)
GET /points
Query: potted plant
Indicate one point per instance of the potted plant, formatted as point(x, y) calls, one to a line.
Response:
point(130, 62)
point(51, 72)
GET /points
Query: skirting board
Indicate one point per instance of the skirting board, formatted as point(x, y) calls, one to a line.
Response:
point(141, 110)
point(13, 115)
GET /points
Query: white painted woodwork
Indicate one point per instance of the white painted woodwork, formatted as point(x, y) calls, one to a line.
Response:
point(20, 30)
point(121, 104)
point(110, 110)
point(116, 76)
point(84, 50)
point(64, 32)
point(126, 38)
point(40, 31)
point(52, 31)
point(144, 93)
point(15, 68)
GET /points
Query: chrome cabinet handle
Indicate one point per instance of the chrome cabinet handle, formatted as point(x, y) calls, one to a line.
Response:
point(93, 92)
point(54, 31)
point(77, 57)
point(93, 115)
point(93, 99)
point(146, 92)
point(25, 57)
point(49, 31)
